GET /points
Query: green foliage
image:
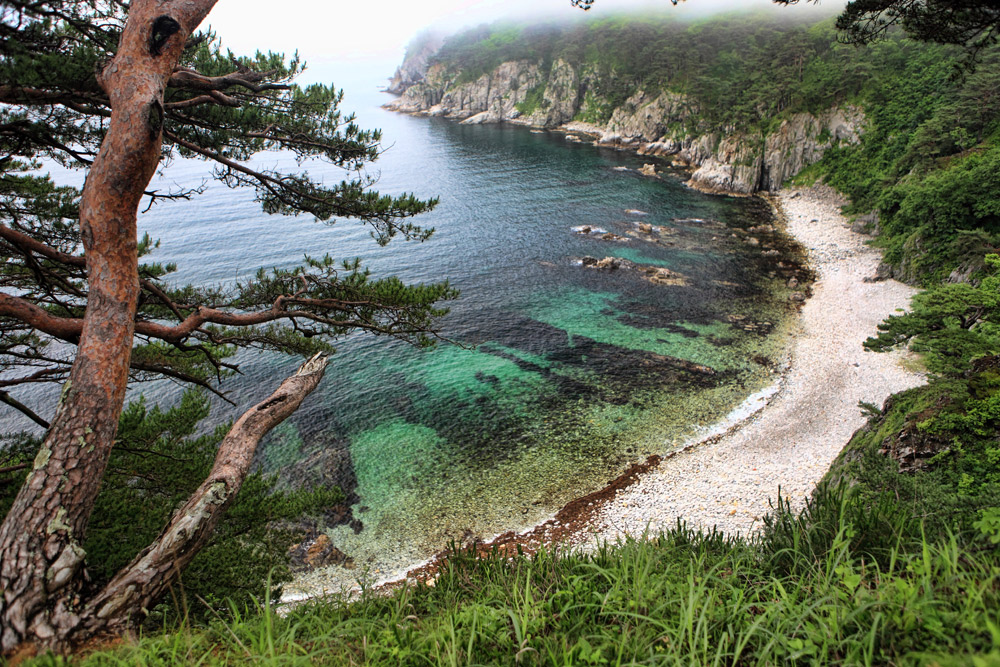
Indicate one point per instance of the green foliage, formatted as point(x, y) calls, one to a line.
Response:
point(55, 111)
point(532, 100)
point(952, 425)
point(159, 460)
point(952, 324)
point(927, 161)
point(683, 597)
point(989, 523)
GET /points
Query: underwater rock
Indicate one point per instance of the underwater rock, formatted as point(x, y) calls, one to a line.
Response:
point(662, 276)
point(318, 551)
point(654, 274)
point(608, 263)
point(603, 234)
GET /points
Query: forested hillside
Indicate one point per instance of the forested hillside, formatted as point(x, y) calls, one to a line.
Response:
point(749, 102)
point(741, 72)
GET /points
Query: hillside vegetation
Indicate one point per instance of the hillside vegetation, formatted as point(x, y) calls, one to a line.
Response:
point(743, 71)
point(926, 161)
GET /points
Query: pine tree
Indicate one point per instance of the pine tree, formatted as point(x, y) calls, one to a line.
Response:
point(112, 87)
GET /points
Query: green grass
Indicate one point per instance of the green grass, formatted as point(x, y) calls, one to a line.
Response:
point(841, 583)
point(534, 99)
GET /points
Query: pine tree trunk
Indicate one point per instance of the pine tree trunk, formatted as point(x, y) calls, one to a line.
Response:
point(140, 584)
point(40, 554)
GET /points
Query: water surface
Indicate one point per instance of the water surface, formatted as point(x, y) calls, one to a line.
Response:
point(563, 374)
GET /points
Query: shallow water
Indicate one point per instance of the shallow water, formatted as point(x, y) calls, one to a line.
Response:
point(565, 373)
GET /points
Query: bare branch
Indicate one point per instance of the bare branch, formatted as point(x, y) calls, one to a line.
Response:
point(147, 577)
point(189, 79)
point(21, 407)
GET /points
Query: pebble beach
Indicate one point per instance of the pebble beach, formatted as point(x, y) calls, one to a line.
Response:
point(729, 481)
point(783, 437)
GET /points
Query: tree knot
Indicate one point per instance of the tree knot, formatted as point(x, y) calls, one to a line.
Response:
point(163, 28)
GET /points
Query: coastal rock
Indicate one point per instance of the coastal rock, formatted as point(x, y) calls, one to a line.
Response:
point(318, 551)
point(734, 167)
point(481, 118)
point(648, 170)
point(497, 93)
point(657, 275)
point(415, 63)
point(661, 123)
point(802, 139)
point(644, 117)
point(561, 99)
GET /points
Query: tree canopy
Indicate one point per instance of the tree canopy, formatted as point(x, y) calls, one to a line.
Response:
point(114, 88)
point(968, 23)
point(218, 107)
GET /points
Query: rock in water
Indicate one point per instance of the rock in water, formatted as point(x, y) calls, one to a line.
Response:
point(316, 552)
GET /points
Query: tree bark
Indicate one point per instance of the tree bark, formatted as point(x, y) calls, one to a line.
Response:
point(40, 554)
point(141, 583)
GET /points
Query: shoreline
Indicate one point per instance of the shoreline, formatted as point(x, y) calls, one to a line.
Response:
point(728, 482)
point(786, 435)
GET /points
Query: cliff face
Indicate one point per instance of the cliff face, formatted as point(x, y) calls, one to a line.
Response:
point(414, 67)
point(660, 123)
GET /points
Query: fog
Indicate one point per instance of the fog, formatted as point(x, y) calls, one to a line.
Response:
point(373, 34)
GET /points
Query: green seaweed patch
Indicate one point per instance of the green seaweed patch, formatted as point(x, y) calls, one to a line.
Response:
point(593, 315)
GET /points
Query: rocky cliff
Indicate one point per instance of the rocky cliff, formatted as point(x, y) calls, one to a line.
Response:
point(414, 66)
point(661, 123)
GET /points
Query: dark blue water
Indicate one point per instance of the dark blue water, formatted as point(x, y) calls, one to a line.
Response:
point(564, 373)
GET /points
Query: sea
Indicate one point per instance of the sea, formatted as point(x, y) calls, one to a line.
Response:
point(555, 375)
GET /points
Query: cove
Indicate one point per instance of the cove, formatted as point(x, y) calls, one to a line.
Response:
point(559, 374)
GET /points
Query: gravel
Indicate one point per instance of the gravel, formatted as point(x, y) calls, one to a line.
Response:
point(729, 481)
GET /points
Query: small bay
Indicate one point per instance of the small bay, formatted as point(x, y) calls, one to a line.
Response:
point(559, 374)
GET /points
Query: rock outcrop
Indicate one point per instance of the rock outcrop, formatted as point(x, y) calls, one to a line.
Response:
point(415, 65)
point(657, 123)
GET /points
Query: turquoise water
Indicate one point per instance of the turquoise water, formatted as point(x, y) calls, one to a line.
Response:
point(564, 374)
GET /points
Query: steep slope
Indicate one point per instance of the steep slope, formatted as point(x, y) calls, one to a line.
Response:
point(548, 87)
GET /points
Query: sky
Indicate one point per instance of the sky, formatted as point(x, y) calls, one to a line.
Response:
point(332, 34)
